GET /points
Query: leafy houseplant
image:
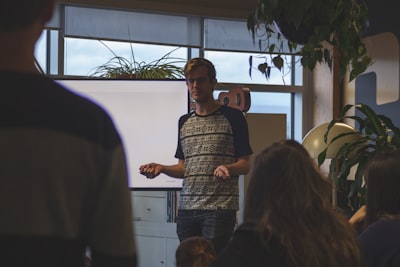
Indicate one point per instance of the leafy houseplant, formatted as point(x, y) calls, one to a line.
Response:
point(376, 133)
point(304, 25)
point(121, 67)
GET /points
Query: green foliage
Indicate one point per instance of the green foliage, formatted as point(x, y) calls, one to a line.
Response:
point(376, 134)
point(337, 22)
point(120, 67)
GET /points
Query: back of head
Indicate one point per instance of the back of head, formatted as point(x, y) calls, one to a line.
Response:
point(285, 181)
point(383, 185)
point(290, 200)
point(195, 252)
point(19, 14)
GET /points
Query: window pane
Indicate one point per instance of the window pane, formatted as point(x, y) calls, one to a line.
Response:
point(54, 52)
point(275, 103)
point(269, 102)
point(82, 56)
point(234, 67)
point(40, 51)
point(125, 25)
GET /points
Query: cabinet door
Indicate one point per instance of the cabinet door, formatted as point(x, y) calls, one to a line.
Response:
point(152, 209)
point(172, 245)
point(151, 251)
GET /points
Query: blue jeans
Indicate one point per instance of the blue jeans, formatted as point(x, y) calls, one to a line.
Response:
point(214, 225)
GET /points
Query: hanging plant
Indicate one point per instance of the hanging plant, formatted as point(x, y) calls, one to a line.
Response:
point(303, 26)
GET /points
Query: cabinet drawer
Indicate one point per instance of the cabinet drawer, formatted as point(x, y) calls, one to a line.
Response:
point(149, 209)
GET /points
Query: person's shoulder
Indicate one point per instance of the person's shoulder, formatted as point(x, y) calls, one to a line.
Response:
point(231, 111)
point(382, 229)
point(247, 248)
point(384, 223)
point(76, 100)
point(185, 116)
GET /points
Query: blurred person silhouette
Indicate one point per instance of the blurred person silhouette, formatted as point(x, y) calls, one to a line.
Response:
point(194, 252)
point(63, 177)
point(288, 216)
point(379, 220)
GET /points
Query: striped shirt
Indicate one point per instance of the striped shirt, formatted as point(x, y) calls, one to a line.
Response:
point(63, 178)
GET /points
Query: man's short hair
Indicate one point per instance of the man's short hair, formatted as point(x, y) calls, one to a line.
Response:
point(199, 62)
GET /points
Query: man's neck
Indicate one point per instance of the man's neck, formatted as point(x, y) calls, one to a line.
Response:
point(207, 107)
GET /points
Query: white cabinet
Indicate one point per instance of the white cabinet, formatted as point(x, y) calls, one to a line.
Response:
point(156, 251)
point(152, 208)
point(156, 239)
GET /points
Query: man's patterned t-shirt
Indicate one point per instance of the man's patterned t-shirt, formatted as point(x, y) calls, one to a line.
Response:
point(206, 142)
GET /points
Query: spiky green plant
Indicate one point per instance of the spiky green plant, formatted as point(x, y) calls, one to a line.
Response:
point(166, 67)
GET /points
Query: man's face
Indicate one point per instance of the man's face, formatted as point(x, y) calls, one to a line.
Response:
point(199, 85)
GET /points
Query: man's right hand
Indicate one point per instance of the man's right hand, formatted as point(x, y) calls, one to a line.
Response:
point(150, 170)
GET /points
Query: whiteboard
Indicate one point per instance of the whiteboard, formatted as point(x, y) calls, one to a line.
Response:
point(146, 114)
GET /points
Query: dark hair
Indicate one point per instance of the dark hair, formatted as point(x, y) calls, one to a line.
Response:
point(198, 62)
point(383, 185)
point(18, 14)
point(290, 200)
point(195, 252)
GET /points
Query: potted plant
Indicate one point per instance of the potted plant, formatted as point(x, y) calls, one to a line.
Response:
point(376, 133)
point(305, 25)
point(165, 67)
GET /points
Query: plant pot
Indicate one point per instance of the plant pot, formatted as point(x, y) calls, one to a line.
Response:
point(290, 32)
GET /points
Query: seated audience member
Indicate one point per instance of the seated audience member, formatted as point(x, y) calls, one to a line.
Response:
point(195, 252)
point(64, 183)
point(288, 216)
point(380, 239)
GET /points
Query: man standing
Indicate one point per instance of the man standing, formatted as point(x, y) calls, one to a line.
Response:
point(213, 150)
point(63, 178)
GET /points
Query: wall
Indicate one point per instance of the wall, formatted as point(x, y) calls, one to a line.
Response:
point(381, 38)
point(379, 85)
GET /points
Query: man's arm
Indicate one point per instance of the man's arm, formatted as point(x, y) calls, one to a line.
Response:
point(241, 166)
point(152, 170)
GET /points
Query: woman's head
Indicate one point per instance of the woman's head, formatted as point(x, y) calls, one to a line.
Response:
point(383, 185)
point(195, 252)
point(285, 181)
point(290, 202)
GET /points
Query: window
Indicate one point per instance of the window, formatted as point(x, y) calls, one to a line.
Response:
point(82, 56)
point(227, 43)
point(269, 102)
point(40, 51)
point(234, 67)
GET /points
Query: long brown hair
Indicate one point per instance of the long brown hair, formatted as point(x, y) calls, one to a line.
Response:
point(383, 186)
point(289, 199)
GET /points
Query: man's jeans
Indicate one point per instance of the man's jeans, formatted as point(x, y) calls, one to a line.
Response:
point(215, 225)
